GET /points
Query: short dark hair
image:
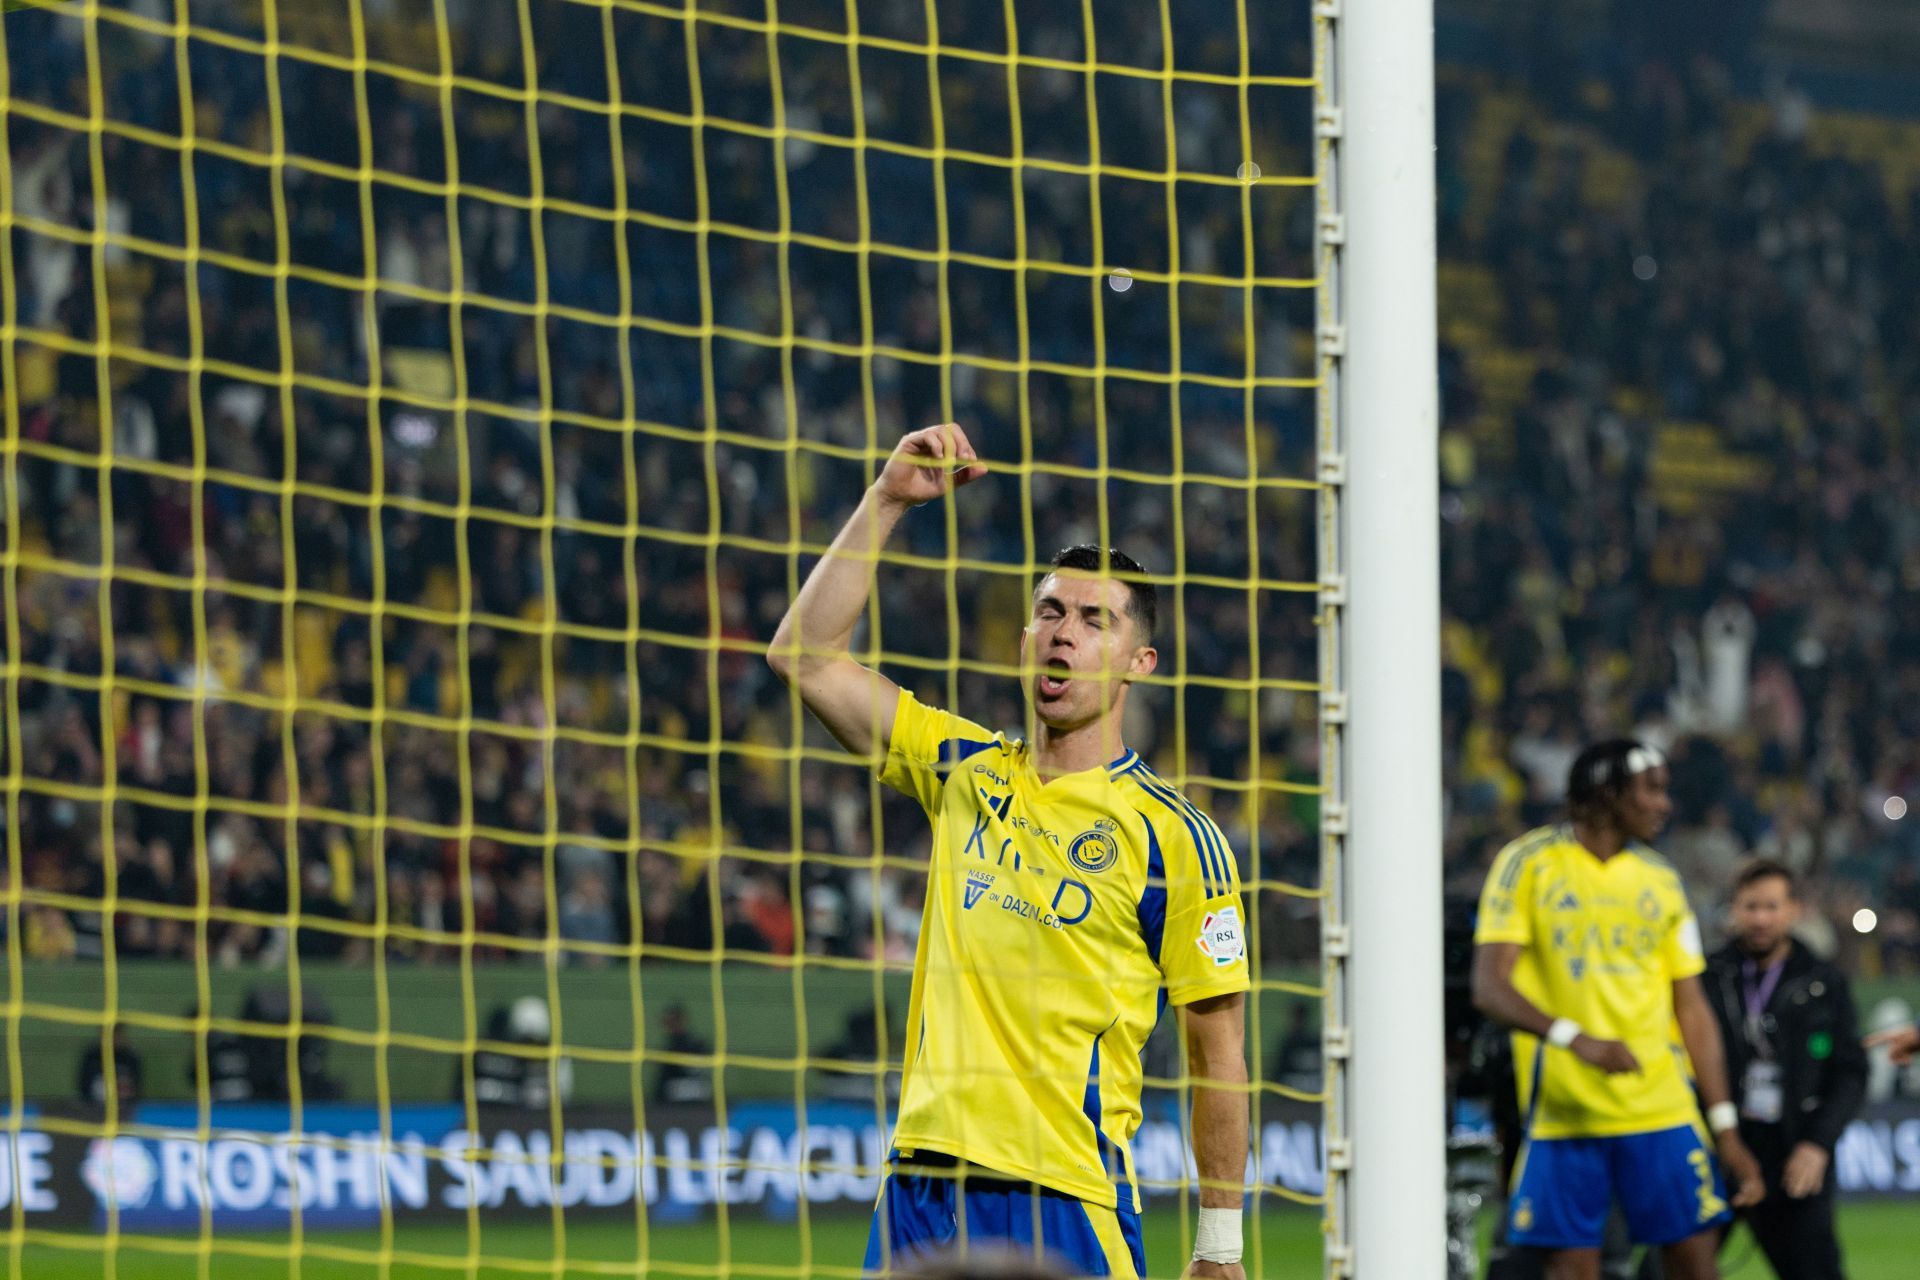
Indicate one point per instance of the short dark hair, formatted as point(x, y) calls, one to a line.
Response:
point(1600, 775)
point(1766, 869)
point(1143, 603)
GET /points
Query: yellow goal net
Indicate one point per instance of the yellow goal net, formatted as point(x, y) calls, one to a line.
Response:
point(417, 416)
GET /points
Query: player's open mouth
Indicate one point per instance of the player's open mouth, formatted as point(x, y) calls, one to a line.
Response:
point(1053, 681)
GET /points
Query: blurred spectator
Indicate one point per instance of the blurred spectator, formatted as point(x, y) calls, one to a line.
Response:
point(525, 1079)
point(680, 1081)
point(96, 1087)
point(586, 915)
point(860, 1046)
point(252, 1066)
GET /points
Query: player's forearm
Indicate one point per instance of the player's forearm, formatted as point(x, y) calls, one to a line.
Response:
point(1495, 996)
point(1216, 1036)
point(1220, 1120)
point(1701, 1035)
point(818, 627)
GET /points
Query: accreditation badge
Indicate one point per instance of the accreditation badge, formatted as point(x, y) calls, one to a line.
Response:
point(1760, 1092)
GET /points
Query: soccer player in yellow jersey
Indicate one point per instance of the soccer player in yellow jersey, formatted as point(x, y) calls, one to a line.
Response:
point(1587, 949)
point(1072, 892)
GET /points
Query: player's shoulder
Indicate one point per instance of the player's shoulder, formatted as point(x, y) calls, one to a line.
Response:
point(1173, 816)
point(1151, 792)
point(1656, 869)
point(1535, 847)
point(943, 737)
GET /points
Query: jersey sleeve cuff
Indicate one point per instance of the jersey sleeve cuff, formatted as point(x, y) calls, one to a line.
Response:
point(1224, 987)
point(1502, 935)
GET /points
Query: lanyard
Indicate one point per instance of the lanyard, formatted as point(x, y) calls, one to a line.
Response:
point(1757, 993)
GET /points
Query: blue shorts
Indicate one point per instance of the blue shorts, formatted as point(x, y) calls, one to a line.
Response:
point(927, 1211)
point(1667, 1184)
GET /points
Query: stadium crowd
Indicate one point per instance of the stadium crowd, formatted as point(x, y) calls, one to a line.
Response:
point(533, 656)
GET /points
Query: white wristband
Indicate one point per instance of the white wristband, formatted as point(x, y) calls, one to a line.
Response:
point(1563, 1032)
point(1218, 1239)
point(1722, 1116)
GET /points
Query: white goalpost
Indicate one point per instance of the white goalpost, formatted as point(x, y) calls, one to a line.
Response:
point(1380, 661)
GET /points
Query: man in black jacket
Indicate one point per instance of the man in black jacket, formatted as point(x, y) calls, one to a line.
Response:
point(1794, 1057)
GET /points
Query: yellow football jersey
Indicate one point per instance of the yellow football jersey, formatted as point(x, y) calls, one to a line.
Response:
point(1059, 918)
point(1604, 943)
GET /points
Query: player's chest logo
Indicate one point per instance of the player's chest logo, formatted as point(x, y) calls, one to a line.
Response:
point(1095, 850)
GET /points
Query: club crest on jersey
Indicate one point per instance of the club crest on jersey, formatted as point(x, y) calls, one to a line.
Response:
point(1096, 850)
point(1221, 939)
point(978, 882)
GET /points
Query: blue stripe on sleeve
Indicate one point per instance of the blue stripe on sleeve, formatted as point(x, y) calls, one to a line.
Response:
point(1199, 841)
point(1223, 858)
point(1226, 854)
point(956, 751)
point(1207, 843)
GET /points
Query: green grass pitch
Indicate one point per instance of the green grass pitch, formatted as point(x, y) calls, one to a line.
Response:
point(1879, 1239)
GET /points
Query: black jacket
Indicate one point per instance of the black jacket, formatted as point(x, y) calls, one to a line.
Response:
point(1815, 1036)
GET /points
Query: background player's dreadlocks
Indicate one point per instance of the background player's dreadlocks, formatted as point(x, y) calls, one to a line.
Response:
point(1600, 775)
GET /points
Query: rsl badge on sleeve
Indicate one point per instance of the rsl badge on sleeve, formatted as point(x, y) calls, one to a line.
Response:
point(1221, 939)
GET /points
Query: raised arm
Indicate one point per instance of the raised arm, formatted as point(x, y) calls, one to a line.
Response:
point(812, 650)
point(1217, 1062)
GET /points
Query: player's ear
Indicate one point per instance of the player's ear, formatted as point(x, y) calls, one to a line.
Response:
point(1145, 659)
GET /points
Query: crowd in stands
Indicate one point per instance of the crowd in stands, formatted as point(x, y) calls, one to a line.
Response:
point(1757, 621)
point(523, 659)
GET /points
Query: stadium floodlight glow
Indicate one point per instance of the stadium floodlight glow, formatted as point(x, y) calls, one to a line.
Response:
point(1866, 920)
point(1895, 808)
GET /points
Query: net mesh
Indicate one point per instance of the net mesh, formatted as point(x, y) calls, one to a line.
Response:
point(418, 416)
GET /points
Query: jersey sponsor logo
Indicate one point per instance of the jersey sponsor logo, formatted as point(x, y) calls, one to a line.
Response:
point(1649, 904)
point(1221, 939)
point(978, 882)
point(1616, 949)
point(998, 779)
point(1063, 903)
point(1096, 850)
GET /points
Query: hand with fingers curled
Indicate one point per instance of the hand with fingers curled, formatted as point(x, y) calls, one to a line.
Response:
point(927, 464)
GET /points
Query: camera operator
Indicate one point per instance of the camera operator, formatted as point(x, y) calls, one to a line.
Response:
point(1794, 1057)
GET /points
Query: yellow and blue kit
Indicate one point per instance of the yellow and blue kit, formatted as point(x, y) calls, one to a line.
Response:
point(1060, 917)
point(1602, 942)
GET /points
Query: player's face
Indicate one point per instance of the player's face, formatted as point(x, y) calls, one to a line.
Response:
point(1646, 806)
point(1763, 913)
point(1079, 648)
